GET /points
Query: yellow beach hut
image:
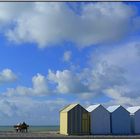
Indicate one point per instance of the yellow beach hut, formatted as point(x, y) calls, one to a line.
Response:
point(74, 120)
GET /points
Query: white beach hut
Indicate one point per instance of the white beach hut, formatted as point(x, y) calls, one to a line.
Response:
point(99, 119)
point(119, 120)
point(135, 119)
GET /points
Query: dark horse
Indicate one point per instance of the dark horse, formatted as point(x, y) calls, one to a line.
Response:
point(21, 127)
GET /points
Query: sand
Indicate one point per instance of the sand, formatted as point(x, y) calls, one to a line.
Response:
point(55, 135)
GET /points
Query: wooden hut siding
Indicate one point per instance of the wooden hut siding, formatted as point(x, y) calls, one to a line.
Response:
point(77, 121)
point(120, 121)
point(135, 119)
point(99, 119)
point(74, 121)
point(137, 122)
point(132, 124)
point(63, 121)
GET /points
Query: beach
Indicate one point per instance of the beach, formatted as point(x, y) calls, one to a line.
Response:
point(51, 132)
point(56, 135)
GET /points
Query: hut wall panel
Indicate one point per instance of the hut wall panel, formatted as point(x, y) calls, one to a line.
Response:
point(120, 122)
point(74, 121)
point(137, 122)
point(75, 116)
point(63, 122)
point(100, 121)
point(132, 119)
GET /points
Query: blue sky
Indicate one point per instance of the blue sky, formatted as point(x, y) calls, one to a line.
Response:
point(53, 54)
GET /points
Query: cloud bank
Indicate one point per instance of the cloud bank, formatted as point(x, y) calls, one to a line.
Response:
point(50, 23)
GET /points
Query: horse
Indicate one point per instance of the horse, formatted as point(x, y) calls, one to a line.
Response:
point(21, 128)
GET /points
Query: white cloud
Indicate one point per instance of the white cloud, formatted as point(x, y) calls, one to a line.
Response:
point(43, 25)
point(86, 84)
point(119, 73)
point(55, 83)
point(51, 23)
point(9, 12)
point(67, 82)
point(112, 70)
point(87, 96)
point(7, 108)
point(7, 75)
point(67, 56)
point(115, 75)
point(40, 87)
point(40, 84)
point(35, 112)
point(101, 26)
point(122, 95)
point(116, 94)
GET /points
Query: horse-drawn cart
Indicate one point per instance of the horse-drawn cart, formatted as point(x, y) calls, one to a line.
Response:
point(21, 127)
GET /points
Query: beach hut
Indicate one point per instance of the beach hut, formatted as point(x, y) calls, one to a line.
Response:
point(135, 119)
point(74, 120)
point(99, 119)
point(119, 120)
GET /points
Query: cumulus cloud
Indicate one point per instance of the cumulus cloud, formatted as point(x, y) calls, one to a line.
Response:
point(59, 82)
point(86, 84)
point(106, 76)
point(52, 19)
point(122, 73)
point(123, 96)
point(7, 75)
point(40, 84)
point(55, 83)
point(67, 82)
point(51, 23)
point(39, 87)
point(100, 78)
point(90, 82)
point(113, 74)
point(67, 56)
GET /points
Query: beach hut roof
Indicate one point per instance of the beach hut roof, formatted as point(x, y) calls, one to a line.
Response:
point(92, 107)
point(133, 109)
point(113, 108)
point(69, 107)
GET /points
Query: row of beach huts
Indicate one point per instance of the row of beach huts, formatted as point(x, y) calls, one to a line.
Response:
point(98, 120)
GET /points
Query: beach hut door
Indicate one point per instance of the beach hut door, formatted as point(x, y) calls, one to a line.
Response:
point(85, 123)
